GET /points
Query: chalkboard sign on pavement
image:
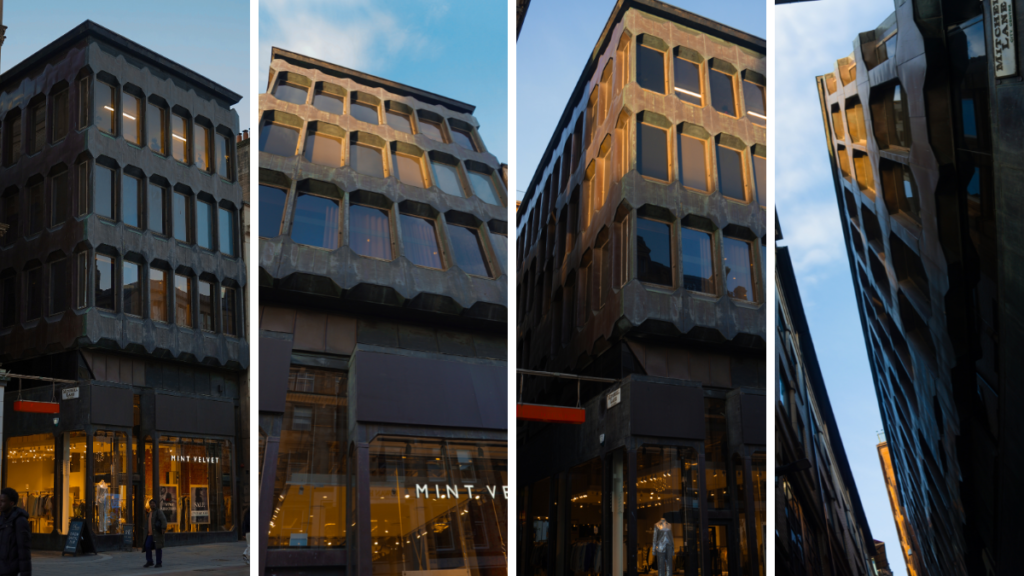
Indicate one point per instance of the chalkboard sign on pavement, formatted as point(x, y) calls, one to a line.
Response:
point(129, 535)
point(79, 540)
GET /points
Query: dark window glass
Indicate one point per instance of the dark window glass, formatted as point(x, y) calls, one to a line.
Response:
point(693, 162)
point(58, 287)
point(653, 252)
point(206, 306)
point(34, 293)
point(367, 160)
point(271, 210)
point(650, 69)
point(652, 151)
point(370, 232)
point(290, 93)
point(11, 219)
point(698, 269)
point(36, 209)
point(226, 230)
point(328, 103)
point(739, 269)
point(722, 97)
point(82, 285)
point(464, 139)
point(716, 447)
point(227, 311)
point(761, 180)
point(420, 241)
point(179, 138)
point(182, 300)
point(909, 201)
point(10, 309)
point(315, 222)
point(131, 207)
point(446, 177)
point(104, 281)
point(156, 128)
point(106, 103)
point(365, 112)
point(753, 96)
point(155, 208)
point(224, 157)
point(60, 115)
point(483, 187)
point(204, 225)
point(687, 78)
point(103, 201)
point(322, 149)
point(202, 147)
point(37, 138)
point(131, 109)
point(431, 130)
point(13, 147)
point(158, 295)
point(132, 289)
point(468, 251)
point(83, 102)
point(408, 169)
point(730, 173)
point(399, 121)
point(181, 216)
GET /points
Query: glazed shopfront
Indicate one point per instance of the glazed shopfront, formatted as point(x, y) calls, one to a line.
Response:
point(696, 458)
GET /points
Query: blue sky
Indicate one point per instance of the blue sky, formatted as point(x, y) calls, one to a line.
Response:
point(223, 26)
point(550, 57)
point(455, 48)
point(810, 37)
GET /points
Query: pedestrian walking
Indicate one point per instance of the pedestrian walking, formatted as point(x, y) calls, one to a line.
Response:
point(156, 525)
point(14, 536)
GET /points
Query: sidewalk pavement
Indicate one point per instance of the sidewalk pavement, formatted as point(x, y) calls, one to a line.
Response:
point(179, 560)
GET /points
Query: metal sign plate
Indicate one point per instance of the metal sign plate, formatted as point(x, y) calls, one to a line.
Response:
point(69, 393)
point(614, 397)
point(1004, 39)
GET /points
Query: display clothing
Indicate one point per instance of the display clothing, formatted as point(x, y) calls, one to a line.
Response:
point(663, 547)
point(585, 557)
point(15, 556)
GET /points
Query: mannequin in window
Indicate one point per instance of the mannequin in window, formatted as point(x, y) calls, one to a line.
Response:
point(102, 507)
point(663, 547)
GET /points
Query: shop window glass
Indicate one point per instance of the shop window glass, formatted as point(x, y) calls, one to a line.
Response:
point(468, 251)
point(584, 540)
point(104, 279)
point(156, 128)
point(652, 151)
point(315, 222)
point(443, 504)
point(37, 119)
point(723, 98)
point(74, 481)
point(446, 177)
point(698, 269)
point(653, 252)
point(110, 453)
point(753, 96)
point(182, 216)
point(202, 147)
point(322, 149)
point(758, 483)
point(155, 208)
point(60, 115)
point(483, 187)
point(370, 231)
point(693, 160)
point(158, 295)
point(9, 312)
point(739, 269)
point(365, 112)
point(668, 510)
point(103, 201)
point(131, 203)
point(59, 199)
point(328, 103)
point(311, 481)
point(106, 104)
point(131, 288)
point(288, 92)
point(716, 447)
point(718, 549)
point(432, 130)
point(540, 527)
point(204, 224)
point(650, 69)
point(206, 322)
point(420, 241)
point(278, 139)
point(687, 79)
point(408, 169)
point(179, 138)
point(224, 156)
point(619, 532)
point(30, 472)
point(761, 180)
point(730, 173)
point(36, 209)
point(399, 121)
point(271, 210)
point(226, 231)
point(33, 293)
point(367, 160)
point(182, 300)
point(228, 316)
point(741, 506)
point(193, 493)
point(58, 287)
point(464, 138)
point(131, 109)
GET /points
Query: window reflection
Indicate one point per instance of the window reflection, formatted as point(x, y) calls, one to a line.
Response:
point(483, 187)
point(668, 511)
point(155, 208)
point(730, 173)
point(650, 69)
point(370, 233)
point(279, 139)
point(322, 149)
point(104, 280)
point(271, 210)
point(158, 295)
point(329, 103)
point(446, 177)
point(408, 169)
point(131, 203)
point(182, 216)
point(228, 316)
point(182, 300)
point(399, 121)
point(288, 92)
point(179, 138)
point(132, 288)
point(652, 151)
point(110, 453)
point(698, 268)
point(206, 306)
point(226, 231)
point(722, 97)
point(468, 252)
point(156, 127)
point(364, 112)
point(103, 195)
point(739, 269)
point(367, 160)
point(693, 162)
point(202, 147)
point(419, 239)
point(204, 224)
point(130, 112)
point(106, 104)
point(315, 222)
point(464, 138)
point(432, 130)
point(753, 96)
point(585, 515)
point(761, 180)
point(687, 78)
point(653, 252)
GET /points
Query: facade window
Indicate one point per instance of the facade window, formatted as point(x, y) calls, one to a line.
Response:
point(59, 198)
point(591, 119)
point(367, 160)
point(228, 316)
point(446, 177)
point(181, 206)
point(687, 79)
point(131, 111)
point(179, 139)
point(623, 255)
point(200, 473)
point(131, 201)
point(739, 269)
point(278, 139)
point(289, 92)
point(105, 108)
point(204, 224)
point(327, 102)
point(753, 96)
point(9, 312)
point(131, 288)
point(156, 128)
point(652, 151)
point(157, 199)
point(419, 238)
point(483, 187)
point(104, 198)
point(13, 143)
point(855, 121)
point(322, 149)
point(58, 287)
point(606, 85)
point(837, 122)
point(864, 172)
point(730, 173)
point(365, 112)
point(34, 293)
point(158, 295)
point(37, 123)
point(650, 69)
point(202, 147)
point(693, 162)
point(622, 70)
point(36, 209)
point(468, 251)
point(582, 299)
point(464, 138)
point(11, 218)
point(82, 292)
point(723, 97)
point(83, 188)
point(653, 252)
point(103, 278)
point(83, 102)
point(900, 189)
point(716, 473)
point(224, 166)
point(315, 222)
point(408, 169)
point(60, 115)
point(182, 300)
point(698, 267)
point(206, 322)
point(400, 121)
point(271, 210)
point(760, 179)
point(844, 162)
point(370, 232)
point(226, 231)
point(432, 130)
point(890, 117)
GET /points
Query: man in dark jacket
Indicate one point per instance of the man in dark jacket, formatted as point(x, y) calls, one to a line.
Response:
point(14, 536)
point(156, 525)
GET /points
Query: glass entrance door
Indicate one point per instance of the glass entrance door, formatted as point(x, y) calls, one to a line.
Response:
point(721, 548)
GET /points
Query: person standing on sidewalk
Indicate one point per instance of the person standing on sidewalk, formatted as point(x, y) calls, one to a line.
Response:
point(14, 536)
point(156, 525)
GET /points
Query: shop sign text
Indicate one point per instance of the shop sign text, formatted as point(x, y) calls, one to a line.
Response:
point(451, 490)
point(1004, 39)
point(69, 393)
point(195, 459)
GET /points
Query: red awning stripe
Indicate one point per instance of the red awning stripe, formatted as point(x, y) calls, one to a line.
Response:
point(555, 414)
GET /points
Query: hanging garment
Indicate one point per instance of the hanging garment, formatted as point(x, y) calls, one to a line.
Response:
point(664, 547)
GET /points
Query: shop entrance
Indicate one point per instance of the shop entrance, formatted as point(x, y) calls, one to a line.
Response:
point(720, 544)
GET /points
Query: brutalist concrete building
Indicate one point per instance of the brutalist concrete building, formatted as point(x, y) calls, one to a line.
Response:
point(923, 128)
point(121, 271)
point(820, 524)
point(641, 260)
point(383, 321)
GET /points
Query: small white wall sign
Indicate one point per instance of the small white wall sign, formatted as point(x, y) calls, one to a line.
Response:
point(1004, 39)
